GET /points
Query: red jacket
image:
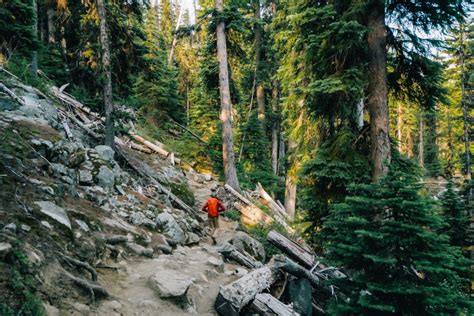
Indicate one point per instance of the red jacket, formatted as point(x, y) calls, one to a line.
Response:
point(213, 206)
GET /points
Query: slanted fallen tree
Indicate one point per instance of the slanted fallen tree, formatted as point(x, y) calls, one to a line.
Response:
point(233, 297)
point(266, 304)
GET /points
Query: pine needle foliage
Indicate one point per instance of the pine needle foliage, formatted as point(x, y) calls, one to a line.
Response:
point(386, 236)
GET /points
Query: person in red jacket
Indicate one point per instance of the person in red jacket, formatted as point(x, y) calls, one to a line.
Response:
point(213, 206)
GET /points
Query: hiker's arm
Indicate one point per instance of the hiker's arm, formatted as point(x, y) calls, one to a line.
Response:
point(205, 207)
point(220, 207)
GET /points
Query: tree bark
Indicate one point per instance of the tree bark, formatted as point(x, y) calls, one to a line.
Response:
point(464, 104)
point(421, 143)
point(236, 295)
point(275, 126)
point(175, 38)
point(51, 27)
point(266, 304)
point(34, 54)
point(260, 91)
point(290, 188)
point(107, 73)
point(399, 126)
point(230, 171)
point(360, 114)
point(377, 91)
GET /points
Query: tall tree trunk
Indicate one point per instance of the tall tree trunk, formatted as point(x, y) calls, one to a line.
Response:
point(281, 153)
point(260, 91)
point(421, 142)
point(173, 43)
point(290, 186)
point(360, 114)
point(377, 90)
point(107, 74)
point(464, 104)
point(51, 28)
point(399, 126)
point(275, 126)
point(226, 107)
point(34, 55)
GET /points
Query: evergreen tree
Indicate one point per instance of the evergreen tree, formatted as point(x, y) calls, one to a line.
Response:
point(156, 87)
point(456, 217)
point(386, 235)
point(16, 31)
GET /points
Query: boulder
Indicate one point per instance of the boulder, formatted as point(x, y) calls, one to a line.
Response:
point(82, 225)
point(218, 264)
point(299, 293)
point(10, 228)
point(5, 248)
point(244, 242)
point(170, 283)
point(170, 228)
point(105, 178)
point(55, 212)
point(137, 218)
point(105, 152)
point(192, 239)
point(58, 169)
point(85, 176)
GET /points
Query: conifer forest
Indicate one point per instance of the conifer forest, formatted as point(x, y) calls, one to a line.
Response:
point(338, 134)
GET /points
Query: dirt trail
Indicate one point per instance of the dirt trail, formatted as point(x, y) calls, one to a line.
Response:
point(129, 285)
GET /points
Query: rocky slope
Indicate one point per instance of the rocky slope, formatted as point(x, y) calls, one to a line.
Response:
point(82, 233)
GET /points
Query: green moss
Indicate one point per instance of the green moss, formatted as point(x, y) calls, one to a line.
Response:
point(232, 214)
point(182, 191)
point(20, 286)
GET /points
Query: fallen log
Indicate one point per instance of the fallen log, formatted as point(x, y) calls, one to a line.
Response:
point(231, 253)
point(71, 101)
point(235, 193)
point(236, 295)
point(81, 125)
point(147, 172)
point(270, 202)
point(156, 148)
point(252, 215)
point(11, 94)
point(266, 304)
point(190, 132)
point(301, 255)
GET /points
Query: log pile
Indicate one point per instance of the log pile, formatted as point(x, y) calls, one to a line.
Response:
point(252, 293)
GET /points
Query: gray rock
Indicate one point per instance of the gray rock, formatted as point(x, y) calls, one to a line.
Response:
point(167, 250)
point(105, 152)
point(120, 189)
point(82, 225)
point(5, 248)
point(105, 178)
point(192, 239)
point(41, 143)
point(299, 293)
point(25, 227)
point(170, 228)
point(55, 212)
point(140, 250)
point(169, 283)
point(218, 264)
point(50, 310)
point(85, 177)
point(137, 218)
point(81, 308)
point(10, 228)
point(48, 190)
point(58, 169)
point(207, 177)
point(244, 242)
point(46, 224)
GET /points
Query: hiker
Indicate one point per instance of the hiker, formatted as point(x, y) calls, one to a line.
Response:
point(213, 206)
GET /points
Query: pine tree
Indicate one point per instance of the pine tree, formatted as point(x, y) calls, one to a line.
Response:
point(456, 217)
point(386, 235)
point(156, 87)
